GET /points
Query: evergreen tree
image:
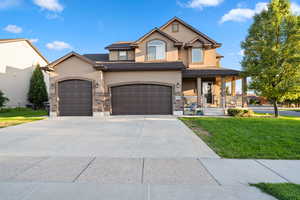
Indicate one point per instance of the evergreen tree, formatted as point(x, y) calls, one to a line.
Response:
point(272, 53)
point(37, 94)
point(3, 99)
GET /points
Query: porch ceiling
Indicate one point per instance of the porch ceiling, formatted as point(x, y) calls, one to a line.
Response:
point(193, 73)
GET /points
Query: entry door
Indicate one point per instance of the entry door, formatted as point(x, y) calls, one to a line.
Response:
point(141, 99)
point(75, 98)
point(208, 92)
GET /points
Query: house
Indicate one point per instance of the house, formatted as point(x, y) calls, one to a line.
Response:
point(162, 72)
point(18, 59)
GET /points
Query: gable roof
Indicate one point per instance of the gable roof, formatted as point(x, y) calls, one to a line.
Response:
point(140, 66)
point(98, 57)
point(162, 33)
point(191, 28)
point(69, 55)
point(121, 46)
point(30, 44)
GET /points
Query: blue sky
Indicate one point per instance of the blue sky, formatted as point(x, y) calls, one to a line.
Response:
point(59, 26)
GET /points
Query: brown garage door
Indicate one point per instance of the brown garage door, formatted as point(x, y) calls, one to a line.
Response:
point(75, 98)
point(141, 99)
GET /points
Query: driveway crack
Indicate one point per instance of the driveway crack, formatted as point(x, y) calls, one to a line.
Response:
point(87, 166)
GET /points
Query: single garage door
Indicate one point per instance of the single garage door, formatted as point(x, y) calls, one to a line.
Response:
point(75, 98)
point(141, 99)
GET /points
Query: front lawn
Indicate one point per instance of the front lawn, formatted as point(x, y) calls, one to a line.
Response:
point(255, 137)
point(282, 191)
point(11, 117)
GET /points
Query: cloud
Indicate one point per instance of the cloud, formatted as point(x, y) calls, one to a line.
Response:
point(58, 45)
point(295, 8)
point(200, 3)
point(9, 3)
point(51, 5)
point(13, 29)
point(34, 40)
point(243, 14)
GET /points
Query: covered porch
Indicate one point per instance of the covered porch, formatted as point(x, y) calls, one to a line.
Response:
point(213, 88)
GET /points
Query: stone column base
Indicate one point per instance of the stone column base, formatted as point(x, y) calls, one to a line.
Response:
point(178, 113)
point(53, 114)
point(101, 114)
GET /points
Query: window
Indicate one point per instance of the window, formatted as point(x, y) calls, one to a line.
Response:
point(175, 27)
point(122, 55)
point(197, 55)
point(156, 50)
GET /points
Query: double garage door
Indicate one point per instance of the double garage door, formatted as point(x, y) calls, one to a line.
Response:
point(75, 99)
point(141, 99)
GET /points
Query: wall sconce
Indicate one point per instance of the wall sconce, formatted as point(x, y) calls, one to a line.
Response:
point(97, 85)
point(177, 85)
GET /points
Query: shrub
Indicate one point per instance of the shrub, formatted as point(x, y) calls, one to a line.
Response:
point(238, 112)
point(37, 94)
point(3, 99)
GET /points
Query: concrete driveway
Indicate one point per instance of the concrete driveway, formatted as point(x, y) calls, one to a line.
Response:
point(128, 136)
point(130, 158)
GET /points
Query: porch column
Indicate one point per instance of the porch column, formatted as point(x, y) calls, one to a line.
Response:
point(244, 92)
point(223, 93)
point(233, 87)
point(199, 91)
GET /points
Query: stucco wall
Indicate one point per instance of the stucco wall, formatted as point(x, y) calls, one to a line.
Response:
point(17, 62)
point(165, 77)
point(75, 68)
point(141, 51)
point(186, 35)
point(189, 87)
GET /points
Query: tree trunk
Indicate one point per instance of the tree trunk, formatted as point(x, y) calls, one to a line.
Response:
point(276, 109)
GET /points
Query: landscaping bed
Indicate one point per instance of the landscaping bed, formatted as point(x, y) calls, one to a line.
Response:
point(282, 191)
point(15, 116)
point(250, 137)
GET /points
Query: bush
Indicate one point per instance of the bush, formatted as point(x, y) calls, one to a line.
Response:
point(238, 112)
point(37, 94)
point(3, 99)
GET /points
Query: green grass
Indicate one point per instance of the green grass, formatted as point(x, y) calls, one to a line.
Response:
point(282, 191)
point(15, 116)
point(296, 109)
point(255, 137)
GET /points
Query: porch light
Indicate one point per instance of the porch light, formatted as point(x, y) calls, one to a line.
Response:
point(177, 85)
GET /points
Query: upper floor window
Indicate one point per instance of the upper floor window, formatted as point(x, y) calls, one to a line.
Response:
point(197, 55)
point(175, 27)
point(122, 55)
point(156, 50)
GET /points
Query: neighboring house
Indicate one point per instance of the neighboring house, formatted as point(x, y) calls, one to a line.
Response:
point(18, 58)
point(156, 74)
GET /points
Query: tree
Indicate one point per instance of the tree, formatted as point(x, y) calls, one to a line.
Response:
point(272, 54)
point(3, 99)
point(37, 94)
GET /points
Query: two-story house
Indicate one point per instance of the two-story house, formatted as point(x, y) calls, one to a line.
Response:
point(162, 72)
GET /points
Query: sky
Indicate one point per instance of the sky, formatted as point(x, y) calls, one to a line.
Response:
point(57, 27)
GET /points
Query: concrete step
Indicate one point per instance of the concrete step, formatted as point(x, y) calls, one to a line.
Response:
point(213, 112)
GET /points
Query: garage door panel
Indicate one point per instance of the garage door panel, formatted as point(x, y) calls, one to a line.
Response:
point(75, 98)
point(141, 99)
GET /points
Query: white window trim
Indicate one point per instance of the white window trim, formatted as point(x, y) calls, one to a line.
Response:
point(163, 50)
point(126, 55)
point(202, 56)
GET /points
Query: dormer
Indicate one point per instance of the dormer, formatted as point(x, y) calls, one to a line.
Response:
point(121, 51)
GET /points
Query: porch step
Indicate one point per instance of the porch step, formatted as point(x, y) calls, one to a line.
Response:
point(213, 112)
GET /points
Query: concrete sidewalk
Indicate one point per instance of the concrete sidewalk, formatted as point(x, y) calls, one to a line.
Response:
point(74, 178)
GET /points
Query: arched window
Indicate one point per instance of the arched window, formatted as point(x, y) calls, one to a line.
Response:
point(156, 50)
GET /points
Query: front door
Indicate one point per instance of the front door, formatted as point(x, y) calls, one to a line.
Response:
point(208, 92)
